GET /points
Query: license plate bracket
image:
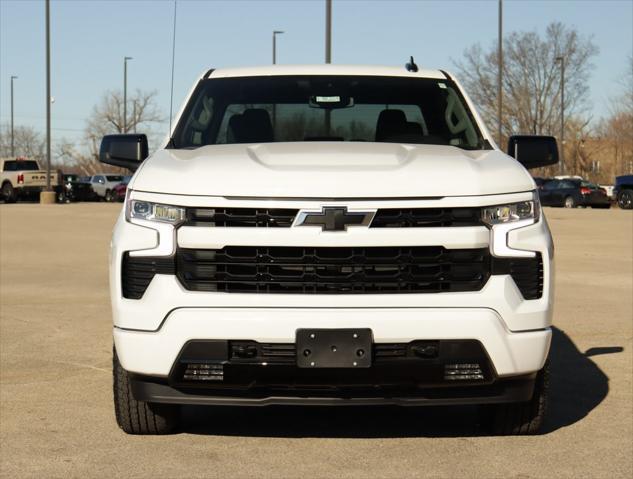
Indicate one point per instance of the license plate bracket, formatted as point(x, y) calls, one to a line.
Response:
point(334, 348)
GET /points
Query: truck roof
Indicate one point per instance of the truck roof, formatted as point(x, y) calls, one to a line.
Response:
point(360, 70)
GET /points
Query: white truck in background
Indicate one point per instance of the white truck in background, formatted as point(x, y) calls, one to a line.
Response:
point(21, 177)
point(103, 185)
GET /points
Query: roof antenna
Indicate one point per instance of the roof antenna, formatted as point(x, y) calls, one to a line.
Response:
point(173, 59)
point(411, 66)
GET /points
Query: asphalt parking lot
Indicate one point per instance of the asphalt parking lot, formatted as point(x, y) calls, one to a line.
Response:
point(56, 414)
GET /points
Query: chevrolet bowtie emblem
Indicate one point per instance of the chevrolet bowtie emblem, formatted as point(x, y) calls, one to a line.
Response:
point(334, 218)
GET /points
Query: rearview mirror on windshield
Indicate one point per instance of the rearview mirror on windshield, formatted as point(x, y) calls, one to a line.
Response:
point(533, 151)
point(127, 151)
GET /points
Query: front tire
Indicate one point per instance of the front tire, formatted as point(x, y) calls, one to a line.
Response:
point(8, 193)
point(523, 418)
point(109, 197)
point(569, 202)
point(625, 199)
point(139, 417)
point(62, 198)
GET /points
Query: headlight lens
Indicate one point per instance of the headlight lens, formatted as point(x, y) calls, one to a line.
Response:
point(524, 210)
point(146, 210)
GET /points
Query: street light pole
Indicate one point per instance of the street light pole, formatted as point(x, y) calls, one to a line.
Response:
point(275, 33)
point(561, 59)
point(13, 77)
point(48, 97)
point(125, 59)
point(328, 31)
point(500, 74)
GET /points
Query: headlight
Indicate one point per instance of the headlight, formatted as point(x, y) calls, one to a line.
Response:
point(523, 210)
point(146, 210)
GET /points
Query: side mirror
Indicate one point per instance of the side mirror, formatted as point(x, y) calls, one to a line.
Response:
point(533, 151)
point(127, 151)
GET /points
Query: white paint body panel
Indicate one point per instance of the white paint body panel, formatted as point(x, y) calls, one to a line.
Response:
point(153, 353)
point(332, 170)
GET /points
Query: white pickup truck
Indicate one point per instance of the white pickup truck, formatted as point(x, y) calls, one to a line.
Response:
point(330, 235)
point(21, 177)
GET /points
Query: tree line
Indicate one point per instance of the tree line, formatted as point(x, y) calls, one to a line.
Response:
point(532, 87)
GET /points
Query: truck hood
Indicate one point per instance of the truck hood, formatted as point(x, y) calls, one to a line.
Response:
point(331, 170)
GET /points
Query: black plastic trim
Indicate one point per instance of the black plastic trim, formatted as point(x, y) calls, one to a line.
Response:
point(333, 270)
point(515, 389)
point(527, 274)
point(137, 272)
point(384, 217)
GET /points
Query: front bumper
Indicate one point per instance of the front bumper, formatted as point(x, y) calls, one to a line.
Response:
point(150, 332)
point(154, 353)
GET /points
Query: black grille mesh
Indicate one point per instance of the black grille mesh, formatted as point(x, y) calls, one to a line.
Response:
point(333, 270)
point(241, 217)
point(283, 218)
point(137, 272)
point(426, 217)
point(527, 273)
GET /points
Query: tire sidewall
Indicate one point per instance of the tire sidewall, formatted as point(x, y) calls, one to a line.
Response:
point(8, 192)
point(625, 200)
point(569, 202)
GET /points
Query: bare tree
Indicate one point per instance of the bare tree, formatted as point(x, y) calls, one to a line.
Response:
point(107, 118)
point(616, 131)
point(27, 142)
point(531, 79)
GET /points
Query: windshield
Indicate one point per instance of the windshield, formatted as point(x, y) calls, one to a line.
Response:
point(327, 108)
point(114, 178)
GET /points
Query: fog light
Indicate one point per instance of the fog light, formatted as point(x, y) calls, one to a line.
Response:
point(204, 372)
point(463, 372)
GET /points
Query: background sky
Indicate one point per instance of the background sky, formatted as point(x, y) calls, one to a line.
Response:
point(90, 38)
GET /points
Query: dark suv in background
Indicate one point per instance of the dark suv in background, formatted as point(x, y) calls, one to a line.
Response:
point(75, 188)
point(623, 191)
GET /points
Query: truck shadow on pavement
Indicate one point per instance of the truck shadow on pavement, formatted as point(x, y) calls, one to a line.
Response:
point(577, 386)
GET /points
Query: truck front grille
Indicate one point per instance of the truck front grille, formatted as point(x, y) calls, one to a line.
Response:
point(241, 217)
point(426, 217)
point(283, 218)
point(309, 270)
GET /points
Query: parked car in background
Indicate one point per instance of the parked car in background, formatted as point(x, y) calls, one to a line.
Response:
point(623, 191)
point(540, 181)
point(609, 190)
point(103, 185)
point(568, 177)
point(75, 188)
point(121, 188)
point(572, 193)
point(21, 177)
